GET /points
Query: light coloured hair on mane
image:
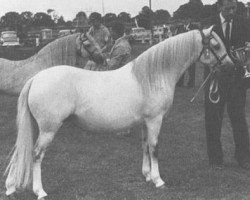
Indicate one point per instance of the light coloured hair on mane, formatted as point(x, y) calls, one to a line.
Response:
point(60, 51)
point(151, 67)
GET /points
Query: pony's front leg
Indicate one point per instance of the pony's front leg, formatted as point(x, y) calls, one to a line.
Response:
point(153, 129)
point(146, 159)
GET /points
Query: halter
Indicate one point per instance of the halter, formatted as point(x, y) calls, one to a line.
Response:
point(84, 43)
point(206, 47)
point(83, 39)
point(213, 89)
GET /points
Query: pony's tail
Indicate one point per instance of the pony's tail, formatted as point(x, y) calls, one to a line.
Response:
point(21, 163)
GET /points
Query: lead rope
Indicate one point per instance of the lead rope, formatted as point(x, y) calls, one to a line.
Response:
point(213, 88)
point(213, 91)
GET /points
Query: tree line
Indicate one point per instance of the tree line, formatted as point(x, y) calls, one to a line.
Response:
point(193, 10)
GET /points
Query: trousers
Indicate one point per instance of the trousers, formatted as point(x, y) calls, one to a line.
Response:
point(233, 97)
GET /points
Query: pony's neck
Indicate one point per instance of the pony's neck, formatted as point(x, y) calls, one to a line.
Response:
point(160, 67)
point(180, 66)
point(14, 74)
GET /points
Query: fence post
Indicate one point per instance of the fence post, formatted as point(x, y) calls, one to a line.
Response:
point(37, 42)
point(143, 40)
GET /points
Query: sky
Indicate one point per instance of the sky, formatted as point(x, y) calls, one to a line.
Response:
point(69, 8)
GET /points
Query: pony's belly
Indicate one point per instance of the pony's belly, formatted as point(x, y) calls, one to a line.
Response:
point(108, 121)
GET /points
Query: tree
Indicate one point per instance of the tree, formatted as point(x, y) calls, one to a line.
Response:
point(43, 19)
point(209, 11)
point(189, 10)
point(241, 9)
point(109, 18)
point(161, 16)
point(69, 25)
point(26, 19)
point(11, 20)
point(61, 22)
point(124, 17)
point(145, 17)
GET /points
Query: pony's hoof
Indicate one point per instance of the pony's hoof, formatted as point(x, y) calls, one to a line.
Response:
point(42, 195)
point(162, 187)
point(43, 198)
point(159, 183)
point(12, 196)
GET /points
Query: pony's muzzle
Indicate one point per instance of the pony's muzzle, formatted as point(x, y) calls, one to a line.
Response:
point(98, 58)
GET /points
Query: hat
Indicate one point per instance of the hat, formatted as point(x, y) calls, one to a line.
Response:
point(95, 16)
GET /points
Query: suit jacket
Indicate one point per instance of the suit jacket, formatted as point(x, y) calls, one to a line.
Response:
point(239, 35)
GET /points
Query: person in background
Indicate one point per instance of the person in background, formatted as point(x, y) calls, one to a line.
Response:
point(120, 53)
point(99, 32)
point(234, 32)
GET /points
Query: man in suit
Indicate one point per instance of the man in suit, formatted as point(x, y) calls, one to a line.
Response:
point(235, 33)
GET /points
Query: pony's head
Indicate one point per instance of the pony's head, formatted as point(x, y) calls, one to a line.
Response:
point(213, 52)
point(88, 47)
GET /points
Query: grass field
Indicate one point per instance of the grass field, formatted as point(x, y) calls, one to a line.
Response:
point(84, 166)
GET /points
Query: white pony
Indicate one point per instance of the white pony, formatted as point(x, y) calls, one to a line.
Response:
point(140, 92)
point(67, 50)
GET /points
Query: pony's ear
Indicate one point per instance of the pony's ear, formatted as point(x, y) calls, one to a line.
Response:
point(209, 30)
point(213, 41)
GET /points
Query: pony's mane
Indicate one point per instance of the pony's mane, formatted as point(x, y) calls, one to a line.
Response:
point(60, 51)
point(151, 67)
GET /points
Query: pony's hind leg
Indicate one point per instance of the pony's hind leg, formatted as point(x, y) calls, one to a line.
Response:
point(153, 130)
point(43, 141)
point(146, 159)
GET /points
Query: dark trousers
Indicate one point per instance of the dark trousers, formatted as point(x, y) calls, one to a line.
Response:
point(233, 95)
point(191, 73)
point(191, 80)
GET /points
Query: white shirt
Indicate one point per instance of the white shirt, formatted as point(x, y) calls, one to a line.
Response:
point(224, 24)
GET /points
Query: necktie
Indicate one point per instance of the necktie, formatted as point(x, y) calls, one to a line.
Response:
point(227, 33)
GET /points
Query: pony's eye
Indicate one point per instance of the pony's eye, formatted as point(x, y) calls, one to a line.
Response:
point(217, 47)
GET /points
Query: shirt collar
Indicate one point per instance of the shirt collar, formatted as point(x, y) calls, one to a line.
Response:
point(223, 20)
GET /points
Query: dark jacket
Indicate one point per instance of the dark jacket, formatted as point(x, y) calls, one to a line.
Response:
point(239, 35)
